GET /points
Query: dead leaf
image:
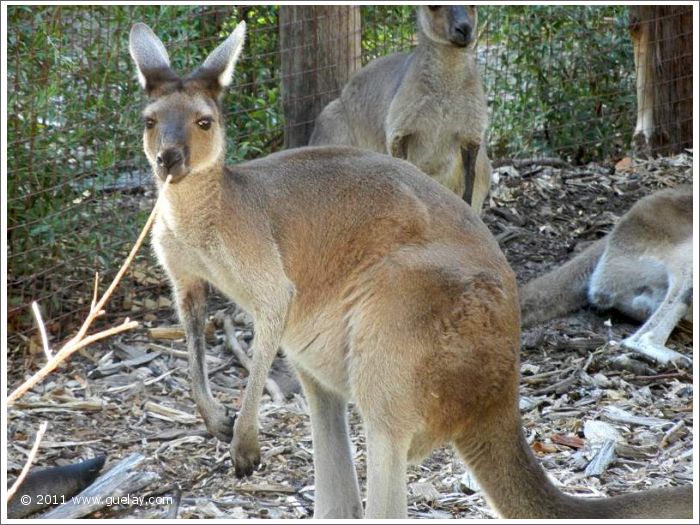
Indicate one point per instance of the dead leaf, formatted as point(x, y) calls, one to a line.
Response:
point(571, 441)
point(624, 165)
point(544, 448)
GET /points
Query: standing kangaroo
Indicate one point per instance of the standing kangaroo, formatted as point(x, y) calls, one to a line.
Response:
point(427, 107)
point(382, 287)
point(643, 268)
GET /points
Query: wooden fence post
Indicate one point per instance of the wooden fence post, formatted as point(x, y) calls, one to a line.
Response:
point(663, 57)
point(320, 48)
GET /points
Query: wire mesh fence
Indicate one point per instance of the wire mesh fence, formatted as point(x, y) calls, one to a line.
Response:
point(561, 81)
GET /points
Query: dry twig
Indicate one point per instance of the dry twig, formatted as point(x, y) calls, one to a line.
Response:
point(30, 460)
point(42, 329)
point(96, 309)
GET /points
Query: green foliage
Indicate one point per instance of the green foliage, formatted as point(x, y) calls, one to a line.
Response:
point(560, 80)
point(73, 131)
point(386, 29)
point(256, 109)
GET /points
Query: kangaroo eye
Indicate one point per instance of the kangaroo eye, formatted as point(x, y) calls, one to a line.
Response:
point(149, 123)
point(204, 123)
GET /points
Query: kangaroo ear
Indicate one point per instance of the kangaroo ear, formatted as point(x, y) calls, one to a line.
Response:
point(221, 61)
point(149, 55)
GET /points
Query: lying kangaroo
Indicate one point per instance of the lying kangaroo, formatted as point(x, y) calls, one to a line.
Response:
point(643, 268)
point(427, 106)
point(383, 288)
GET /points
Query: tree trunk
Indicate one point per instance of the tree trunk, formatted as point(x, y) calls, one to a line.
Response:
point(663, 56)
point(320, 49)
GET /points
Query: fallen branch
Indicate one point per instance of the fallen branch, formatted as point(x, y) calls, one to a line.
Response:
point(552, 162)
point(96, 309)
point(602, 459)
point(30, 460)
point(664, 377)
point(174, 507)
point(270, 385)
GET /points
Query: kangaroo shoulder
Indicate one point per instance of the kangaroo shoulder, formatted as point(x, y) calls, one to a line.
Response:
point(380, 78)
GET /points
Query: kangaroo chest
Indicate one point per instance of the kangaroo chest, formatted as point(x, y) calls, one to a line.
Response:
point(204, 257)
point(443, 117)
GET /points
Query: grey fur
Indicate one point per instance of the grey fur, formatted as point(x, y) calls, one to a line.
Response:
point(427, 107)
point(148, 52)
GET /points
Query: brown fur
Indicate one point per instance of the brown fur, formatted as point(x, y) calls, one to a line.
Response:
point(662, 37)
point(383, 288)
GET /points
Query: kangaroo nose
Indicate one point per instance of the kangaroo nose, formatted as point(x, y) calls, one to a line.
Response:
point(169, 158)
point(464, 30)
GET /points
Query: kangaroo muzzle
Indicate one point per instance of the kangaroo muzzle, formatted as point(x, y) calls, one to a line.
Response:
point(172, 161)
point(461, 27)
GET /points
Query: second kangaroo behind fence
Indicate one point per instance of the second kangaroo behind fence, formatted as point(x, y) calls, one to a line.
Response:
point(427, 106)
point(383, 288)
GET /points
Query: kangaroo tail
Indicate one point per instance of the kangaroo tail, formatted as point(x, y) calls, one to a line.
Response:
point(516, 486)
point(562, 290)
point(52, 484)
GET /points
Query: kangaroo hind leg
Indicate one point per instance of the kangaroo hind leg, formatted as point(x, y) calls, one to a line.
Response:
point(650, 339)
point(386, 473)
point(337, 491)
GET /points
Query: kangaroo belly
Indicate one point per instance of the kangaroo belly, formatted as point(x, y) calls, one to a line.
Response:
point(319, 347)
point(437, 155)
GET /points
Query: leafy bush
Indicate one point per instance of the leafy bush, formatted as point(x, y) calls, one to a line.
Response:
point(560, 80)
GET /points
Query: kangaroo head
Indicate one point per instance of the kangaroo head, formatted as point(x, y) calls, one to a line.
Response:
point(448, 24)
point(183, 120)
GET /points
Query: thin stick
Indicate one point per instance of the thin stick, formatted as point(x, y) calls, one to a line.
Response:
point(270, 384)
point(80, 341)
point(62, 355)
point(122, 270)
point(30, 460)
point(94, 291)
point(42, 329)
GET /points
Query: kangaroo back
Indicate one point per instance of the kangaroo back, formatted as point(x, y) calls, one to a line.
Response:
point(357, 117)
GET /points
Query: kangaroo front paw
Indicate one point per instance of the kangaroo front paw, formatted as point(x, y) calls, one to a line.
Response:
point(245, 453)
point(219, 423)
